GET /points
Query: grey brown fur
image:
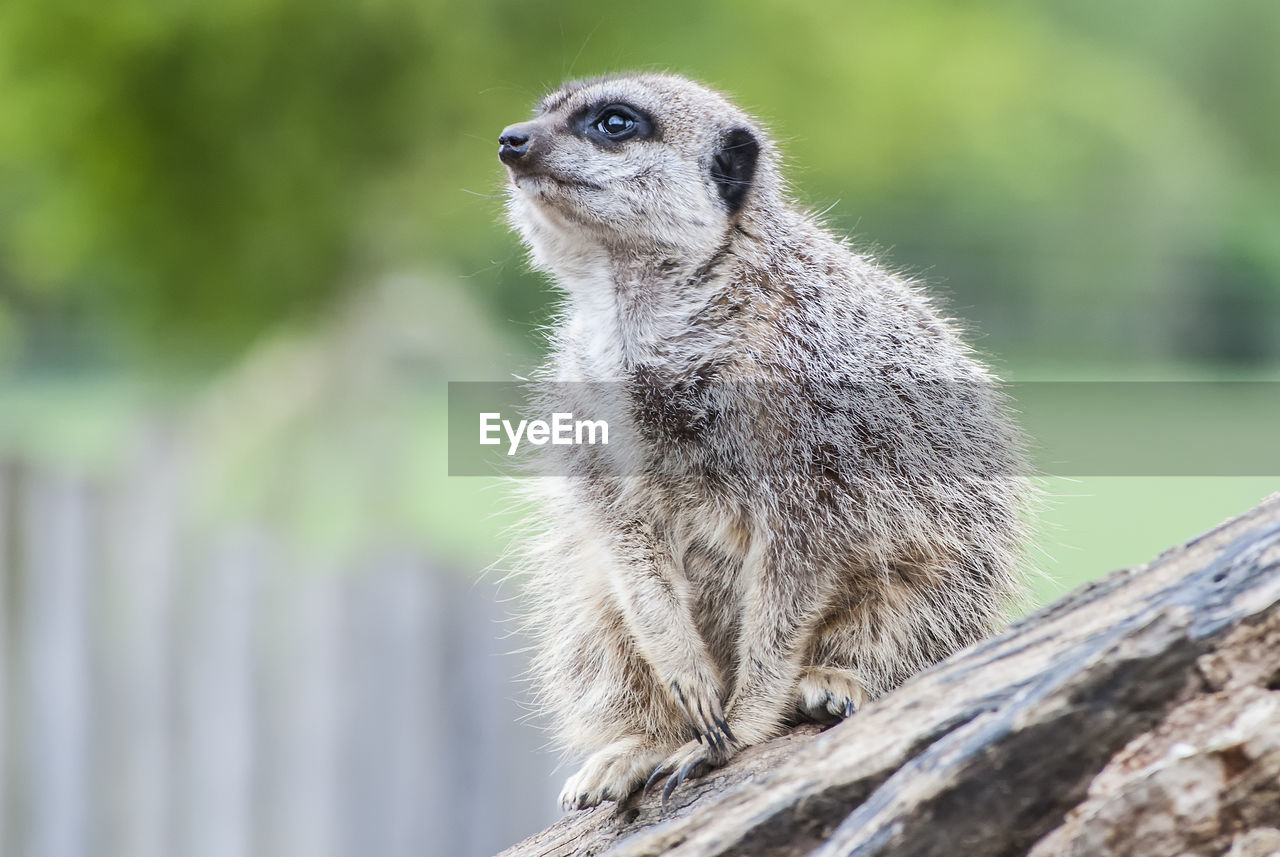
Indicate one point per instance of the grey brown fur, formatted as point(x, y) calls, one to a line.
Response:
point(821, 493)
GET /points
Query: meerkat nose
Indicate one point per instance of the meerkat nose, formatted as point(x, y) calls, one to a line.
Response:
point(514, 142)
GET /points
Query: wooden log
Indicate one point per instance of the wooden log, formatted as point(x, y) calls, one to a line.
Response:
point(1139, 714)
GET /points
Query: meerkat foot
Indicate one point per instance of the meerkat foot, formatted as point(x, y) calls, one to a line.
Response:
point(828, 695)
point(610, 774)
point(692, 760)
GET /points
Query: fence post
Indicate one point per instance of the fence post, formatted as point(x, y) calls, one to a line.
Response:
point(8, 590)
point(399, 799)
point(216, 786)
point(56, 679)
point(134, 602)
point(299, 634)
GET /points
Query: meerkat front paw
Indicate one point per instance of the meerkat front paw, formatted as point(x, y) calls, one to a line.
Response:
point(699, 699)
point(692, 760)
point(827, 694)
point(610, 774)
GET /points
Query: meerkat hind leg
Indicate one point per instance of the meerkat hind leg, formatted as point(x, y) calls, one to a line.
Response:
point(828, 694)
point(612, 773)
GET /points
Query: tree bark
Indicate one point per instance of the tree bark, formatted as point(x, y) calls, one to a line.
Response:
point(1138, 715)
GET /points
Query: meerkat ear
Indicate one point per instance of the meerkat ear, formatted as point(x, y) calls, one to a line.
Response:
point(734, 166)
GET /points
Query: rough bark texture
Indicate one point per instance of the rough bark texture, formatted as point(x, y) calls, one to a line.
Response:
point(1139, 715)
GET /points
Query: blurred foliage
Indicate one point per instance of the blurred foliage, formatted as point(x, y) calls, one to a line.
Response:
point(191, 170)
point(176, 178)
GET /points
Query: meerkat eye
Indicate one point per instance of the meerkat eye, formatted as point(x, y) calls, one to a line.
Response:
point(608, 124)
point(615, 123)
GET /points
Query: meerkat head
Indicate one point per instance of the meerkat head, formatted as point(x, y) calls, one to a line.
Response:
point(645, 165)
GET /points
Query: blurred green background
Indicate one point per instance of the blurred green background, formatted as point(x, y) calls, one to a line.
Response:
point(278, 224)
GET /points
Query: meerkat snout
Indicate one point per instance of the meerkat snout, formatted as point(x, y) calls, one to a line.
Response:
point(514, 142)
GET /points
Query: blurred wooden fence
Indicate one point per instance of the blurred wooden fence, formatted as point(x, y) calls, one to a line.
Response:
point(164, 694)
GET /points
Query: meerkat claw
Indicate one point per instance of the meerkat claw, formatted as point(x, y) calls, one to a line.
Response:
point(704, 712)
point(674, 781)
point(724, 727)
point(689, 761)
point(654, 777)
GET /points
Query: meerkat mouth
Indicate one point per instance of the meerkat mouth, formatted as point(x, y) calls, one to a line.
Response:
point(544, 175)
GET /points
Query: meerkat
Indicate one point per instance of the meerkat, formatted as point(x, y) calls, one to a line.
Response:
point(825, 493)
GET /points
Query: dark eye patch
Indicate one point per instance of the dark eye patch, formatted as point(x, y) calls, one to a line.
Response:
point(609, 124)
